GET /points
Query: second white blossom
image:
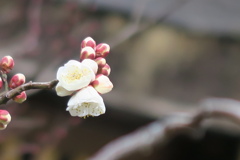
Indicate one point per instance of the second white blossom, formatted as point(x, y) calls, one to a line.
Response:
point(86, 102)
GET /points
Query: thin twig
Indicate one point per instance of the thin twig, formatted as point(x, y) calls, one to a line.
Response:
point(6, 96)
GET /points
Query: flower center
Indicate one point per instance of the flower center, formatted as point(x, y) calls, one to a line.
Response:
point(85, 104)
point(74, 74)
point(83, 108)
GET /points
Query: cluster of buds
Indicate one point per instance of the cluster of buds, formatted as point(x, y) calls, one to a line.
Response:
point(18, 80)
point(86, 80)
point(98, 53)
point(6, 65)
point(89, 50)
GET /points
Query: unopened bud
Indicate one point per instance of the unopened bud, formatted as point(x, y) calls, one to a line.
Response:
point(1, 83)
point(102, 84)
point(87, 53)
point(7, 64)
point(88, 42)
point(100, 61)
point(5, 118)
point(105, 70)
point(17, 80)
point(3, 126)
point(92, 64)
point(21, 97)
point(102, 50)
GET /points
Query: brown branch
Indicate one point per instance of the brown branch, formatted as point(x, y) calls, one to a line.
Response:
point(159, 132)
point(5, 97)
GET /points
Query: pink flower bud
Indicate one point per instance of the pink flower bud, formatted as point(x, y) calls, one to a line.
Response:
point(100, 61)
point(87, 53)
point(102, 84)
point(3, 126)
point(102, 50)
point(7, 64)
point(21, 97)
point(1, 83)
point(88, 42)
point(105, 70)
point(17, 80)
point(5, 118)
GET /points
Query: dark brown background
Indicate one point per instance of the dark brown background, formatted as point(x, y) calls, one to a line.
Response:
point(165, 57)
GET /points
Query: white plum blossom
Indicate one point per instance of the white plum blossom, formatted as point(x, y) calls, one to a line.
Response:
point(74, 75)
point(86, 102)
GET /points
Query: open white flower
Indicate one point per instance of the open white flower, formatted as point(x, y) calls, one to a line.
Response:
point(86, 102)
point(74, 75)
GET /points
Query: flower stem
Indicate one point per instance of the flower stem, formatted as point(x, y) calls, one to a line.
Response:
point(4, 79)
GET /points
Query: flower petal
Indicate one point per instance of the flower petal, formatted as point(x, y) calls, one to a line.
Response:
point(91, 63)
point(62, 91)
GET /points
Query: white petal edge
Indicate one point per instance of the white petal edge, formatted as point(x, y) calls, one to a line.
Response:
point(91, 63)
point(62, 91)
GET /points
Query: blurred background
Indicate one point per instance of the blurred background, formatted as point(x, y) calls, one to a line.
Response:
point(166, 56)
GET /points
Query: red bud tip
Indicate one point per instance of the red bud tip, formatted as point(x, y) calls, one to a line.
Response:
point(102, 50)
point(88, 42)
point(5, 118)
point(100, 61)
point(105, 70)
point(87, 53)
point(1, 83)
point(17, 80)
point(7, 64)
point(3, 126)
point(21, 97)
